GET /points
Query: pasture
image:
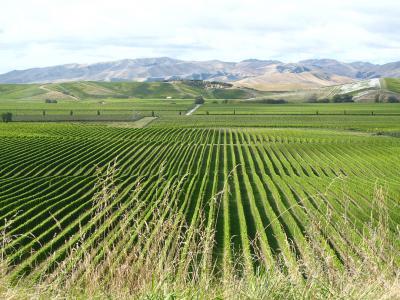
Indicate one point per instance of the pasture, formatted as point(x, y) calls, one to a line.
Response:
point(219, 107)
point(392, 84)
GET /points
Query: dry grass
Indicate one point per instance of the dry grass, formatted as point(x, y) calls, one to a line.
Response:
point(164, 257)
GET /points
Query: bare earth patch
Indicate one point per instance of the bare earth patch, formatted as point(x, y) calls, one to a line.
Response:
point(137, 124)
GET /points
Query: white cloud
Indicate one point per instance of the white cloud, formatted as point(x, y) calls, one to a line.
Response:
point(47, 32)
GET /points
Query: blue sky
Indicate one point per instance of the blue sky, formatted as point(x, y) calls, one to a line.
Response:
point(50, 32)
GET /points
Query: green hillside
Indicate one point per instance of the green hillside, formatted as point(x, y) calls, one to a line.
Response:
point(188, 89)
point(393, 84)
point(20, 91)
point(124, 90)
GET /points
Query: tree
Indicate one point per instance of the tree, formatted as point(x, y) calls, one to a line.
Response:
point(393, 99)
point(342, 98)
point(271, 101)
point(7, 117)
point(199, 100)
point(313, 98)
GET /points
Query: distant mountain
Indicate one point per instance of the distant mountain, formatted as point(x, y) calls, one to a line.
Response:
point(355, 70)
point(253, 73)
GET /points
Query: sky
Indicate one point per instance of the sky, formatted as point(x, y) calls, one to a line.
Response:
point(51, 32)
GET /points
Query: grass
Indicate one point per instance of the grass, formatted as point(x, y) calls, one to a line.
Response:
point(120, 90)
point(371, 124)
point(83, 274)
point(246, 108)
point(72, 91)
point(109, 109)
point(245, 206)
point(393, 84)
point(123, 109)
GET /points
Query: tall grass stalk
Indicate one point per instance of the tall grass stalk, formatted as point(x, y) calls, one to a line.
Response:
point(148, 258)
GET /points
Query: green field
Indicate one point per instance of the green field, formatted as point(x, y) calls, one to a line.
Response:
point(245, 108)
point(123, 90)
point(266, 188)
point(393, 84)
point(48, 176)
point(124, 109)
point(94, 109)
point(371, 124)
point(127, 101)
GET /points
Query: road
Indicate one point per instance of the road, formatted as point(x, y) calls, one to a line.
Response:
point(44, 88)
point(193, 110)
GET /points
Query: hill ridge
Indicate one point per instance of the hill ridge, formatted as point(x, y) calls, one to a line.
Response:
point(254, 73)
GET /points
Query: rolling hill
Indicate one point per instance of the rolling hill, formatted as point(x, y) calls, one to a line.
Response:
point(287, 81)
point(145, 90)
point(268, 75)
point(367, 90)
